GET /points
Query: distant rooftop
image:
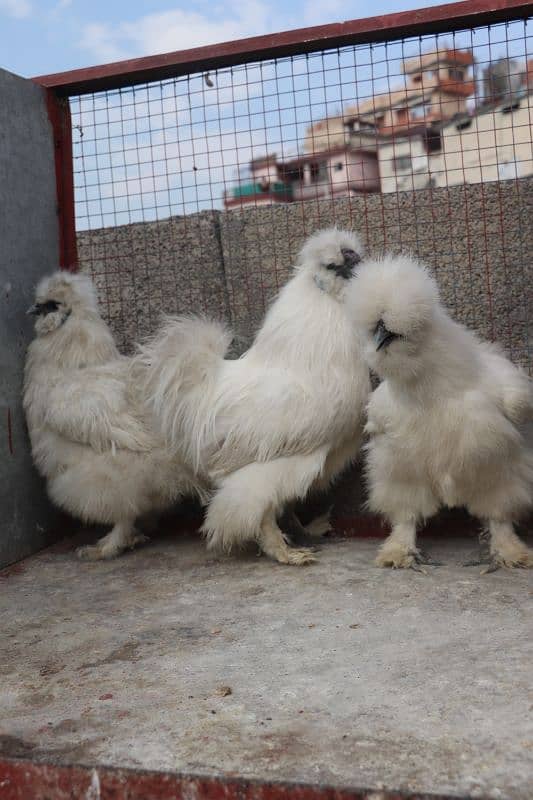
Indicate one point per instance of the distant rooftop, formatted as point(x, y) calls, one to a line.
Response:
point(434, 58)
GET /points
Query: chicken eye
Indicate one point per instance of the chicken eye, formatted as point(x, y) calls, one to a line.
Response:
point(49, 306)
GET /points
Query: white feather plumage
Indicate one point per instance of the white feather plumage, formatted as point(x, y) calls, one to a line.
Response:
point(88, 428)
point(284, 417)
point(445, 421)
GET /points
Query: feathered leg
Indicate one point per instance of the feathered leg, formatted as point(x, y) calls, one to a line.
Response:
point(247, 502)
point(122, 537)
point(399, 550)
point(501, 547)
point(273, 544)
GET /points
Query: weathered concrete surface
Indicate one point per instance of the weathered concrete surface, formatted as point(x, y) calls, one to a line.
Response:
point(29, 249)
point(478, 238)
point(146, 269)
point(340, 673)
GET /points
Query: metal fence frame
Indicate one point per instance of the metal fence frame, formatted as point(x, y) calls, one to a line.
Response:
point(371, 30)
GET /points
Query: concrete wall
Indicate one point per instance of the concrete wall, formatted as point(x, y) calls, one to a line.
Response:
point(144, 269)
point(29, 249)
point(478, 239)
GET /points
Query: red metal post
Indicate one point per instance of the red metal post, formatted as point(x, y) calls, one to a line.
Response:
point(59, 114)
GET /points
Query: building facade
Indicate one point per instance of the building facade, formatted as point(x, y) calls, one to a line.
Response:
point(422, 134)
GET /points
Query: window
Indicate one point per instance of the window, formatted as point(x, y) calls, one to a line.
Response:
point(293, 175)
point(401, 163)
point(401, 114)
point(456, 74)
point(318, 171)
point(433, 141)
point(420, 111)
point(427, 75)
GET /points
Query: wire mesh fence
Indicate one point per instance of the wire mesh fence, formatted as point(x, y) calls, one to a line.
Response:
point(194, 192)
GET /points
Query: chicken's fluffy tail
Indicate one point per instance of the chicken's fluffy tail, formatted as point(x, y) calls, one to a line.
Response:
point(178, 368)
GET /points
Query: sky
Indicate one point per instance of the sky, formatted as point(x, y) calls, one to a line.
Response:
point(38, 37)
point(176, 146)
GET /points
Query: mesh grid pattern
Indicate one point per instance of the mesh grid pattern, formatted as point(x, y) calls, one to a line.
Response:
point(194, 193)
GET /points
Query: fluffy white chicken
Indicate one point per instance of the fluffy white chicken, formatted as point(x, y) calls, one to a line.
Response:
point(87, 424)
point(285, 417)
point(445, 421)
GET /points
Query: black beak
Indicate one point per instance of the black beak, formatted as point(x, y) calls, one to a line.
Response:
point(382, 336)
point(351, 258)
point(43, 308)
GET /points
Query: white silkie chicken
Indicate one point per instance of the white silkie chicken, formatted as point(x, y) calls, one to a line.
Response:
point(285, 417)
point(87, 426)
point(445, 421)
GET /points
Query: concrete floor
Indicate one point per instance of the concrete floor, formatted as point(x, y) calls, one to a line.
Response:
point(340, 673)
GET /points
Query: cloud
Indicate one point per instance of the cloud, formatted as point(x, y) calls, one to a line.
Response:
point(179, 177)
point(19, 9)
point(179, 29)
point(102, 41)
point(145, 154)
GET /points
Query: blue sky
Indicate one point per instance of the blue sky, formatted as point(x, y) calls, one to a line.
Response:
point(175, 147)
point(42, 36)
